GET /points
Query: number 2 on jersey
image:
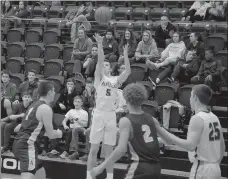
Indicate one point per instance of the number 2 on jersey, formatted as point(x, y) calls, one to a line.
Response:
point(215, 132)
point(146, 136)
point(108, 92)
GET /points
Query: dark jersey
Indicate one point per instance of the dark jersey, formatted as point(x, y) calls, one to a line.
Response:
point(31, 128)
point(143, 146)
point(3, 109)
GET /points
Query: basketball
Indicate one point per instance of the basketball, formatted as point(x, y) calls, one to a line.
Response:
point(103, 15)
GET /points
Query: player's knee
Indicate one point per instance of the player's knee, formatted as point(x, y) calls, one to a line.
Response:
point(94, 149)
point(27, 175)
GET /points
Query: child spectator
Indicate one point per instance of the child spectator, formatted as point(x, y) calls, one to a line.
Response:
point(7, 12)
point(89, 65)
point(14, 120)
point(210, 70)
point(89, 95)
point(146, 49)
point(78, 122)
point(164, 32)
point(128, 38)
point(110, 46)
point(184, 71)
point(9, 89)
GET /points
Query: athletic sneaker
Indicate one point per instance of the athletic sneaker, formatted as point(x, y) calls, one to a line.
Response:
point(64, 155)
point(53, 154)
point(84, 157)
point(74, 156)
point(5, 150)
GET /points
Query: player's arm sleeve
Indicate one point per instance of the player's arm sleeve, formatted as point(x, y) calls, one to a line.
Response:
point(121, 149)
point(99, 73)
point(45, 114)
point(124, 75)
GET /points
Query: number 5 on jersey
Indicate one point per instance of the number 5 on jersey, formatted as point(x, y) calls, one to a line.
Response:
point(146, 136)
point(108, 92)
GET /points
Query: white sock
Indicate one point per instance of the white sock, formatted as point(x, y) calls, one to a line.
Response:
point(109, 175)
point(88, 175)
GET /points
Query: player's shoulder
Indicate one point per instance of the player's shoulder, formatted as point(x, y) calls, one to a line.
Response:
point(44, 108)
point(124, 122)
point(7, 102)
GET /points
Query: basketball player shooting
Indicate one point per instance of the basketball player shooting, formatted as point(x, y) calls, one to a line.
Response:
point(37, 120)
point(104, 127)
point(205, 137)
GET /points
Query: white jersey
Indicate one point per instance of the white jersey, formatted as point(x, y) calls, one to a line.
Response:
point(107, 93)
point(208, 149)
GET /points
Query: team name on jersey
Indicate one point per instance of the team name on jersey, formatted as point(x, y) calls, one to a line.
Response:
point(110, 85)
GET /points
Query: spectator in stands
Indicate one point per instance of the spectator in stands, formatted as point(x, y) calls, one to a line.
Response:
point(210, 70)
point(22, 10)
point(82, 47)
point(198, 11)
point(7, 12)
point(110, 46)
point(185, 70)
point(217, 11)
point(164, 32)
point(81, 19)
point(78, 122)
point(9, 89)
point(89, 64)
point(35, 95)
point(66, 99)
point(146, 49)
point(89, 95)
point(6, 111)
point(197, 46)
point(128, 38)
point(14, 120)
point(29, 85)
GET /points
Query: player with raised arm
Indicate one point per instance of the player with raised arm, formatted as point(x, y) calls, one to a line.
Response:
point(138, 136)
point(104, 127)
point(37, 120)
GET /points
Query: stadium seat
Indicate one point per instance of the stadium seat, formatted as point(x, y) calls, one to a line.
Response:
point(15, 49)
point(39, 11)
point(15, 35)
point(140, 13)
point(122, 25)
point(165, 92)
point(220, 27)
point(33, 35)
point(3, 48)
point(58, 82)
point(17, 78)
point(15, 64)
point(51, 36)
point(175, 14)
point(136, 4)
point(53, 67)
point(184, 95)
point(140, 26)
point(182, 27)
point(222, 57)
point(137, 73)
point(101, 3)
point(156, 13)
point(69, 3)
point(149, 87)
point(79, 81)
point(69, 65)
point(70, 8)
point(153, 4)
point(29, 9)
point(187, 4)
point(57, 120)
point(153, 74)
point(123, 13)
point(200, 26)
point(36, 64)
point(67, 50)
point(171, 4)
point(55, 12)
point(56, 23)
point(150, 107)
point(53, 51)
point(119, 4)
point(37, 22)
point(34, 50)
point(3, 62)
point(216, 40)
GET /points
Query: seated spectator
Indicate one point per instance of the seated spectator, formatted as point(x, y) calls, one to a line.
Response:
point(66, 99)
point(164, 32)
point(9, 89)
point(21, 12)
point(78, 121)
point(89, 95)
point(80, 18)
point(110, 46)
point(197, 46)
point(173, 52)
point(210, 70)
point(14, 120)
point(7, 12)
point(197, 11)
point(185, 70)
point(89, 64)
point(30, 85)
point(82, 48)
point(217, 11)
point(128, 38)
point(146, 49)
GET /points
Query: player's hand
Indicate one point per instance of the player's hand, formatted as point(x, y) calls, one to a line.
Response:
point(208, 78)
point(59, 133)
point(66, 127)
point(96, 171)
point(62, 106)
point(22, 114)
point(98, 38)
point(125, 48)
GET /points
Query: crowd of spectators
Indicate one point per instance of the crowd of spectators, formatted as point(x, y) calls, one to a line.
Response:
point(181, 62)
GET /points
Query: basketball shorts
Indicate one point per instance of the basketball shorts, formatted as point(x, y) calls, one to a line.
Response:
point(27, 155)
point(103, 128)
point(143, 170)
point(201, 170)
